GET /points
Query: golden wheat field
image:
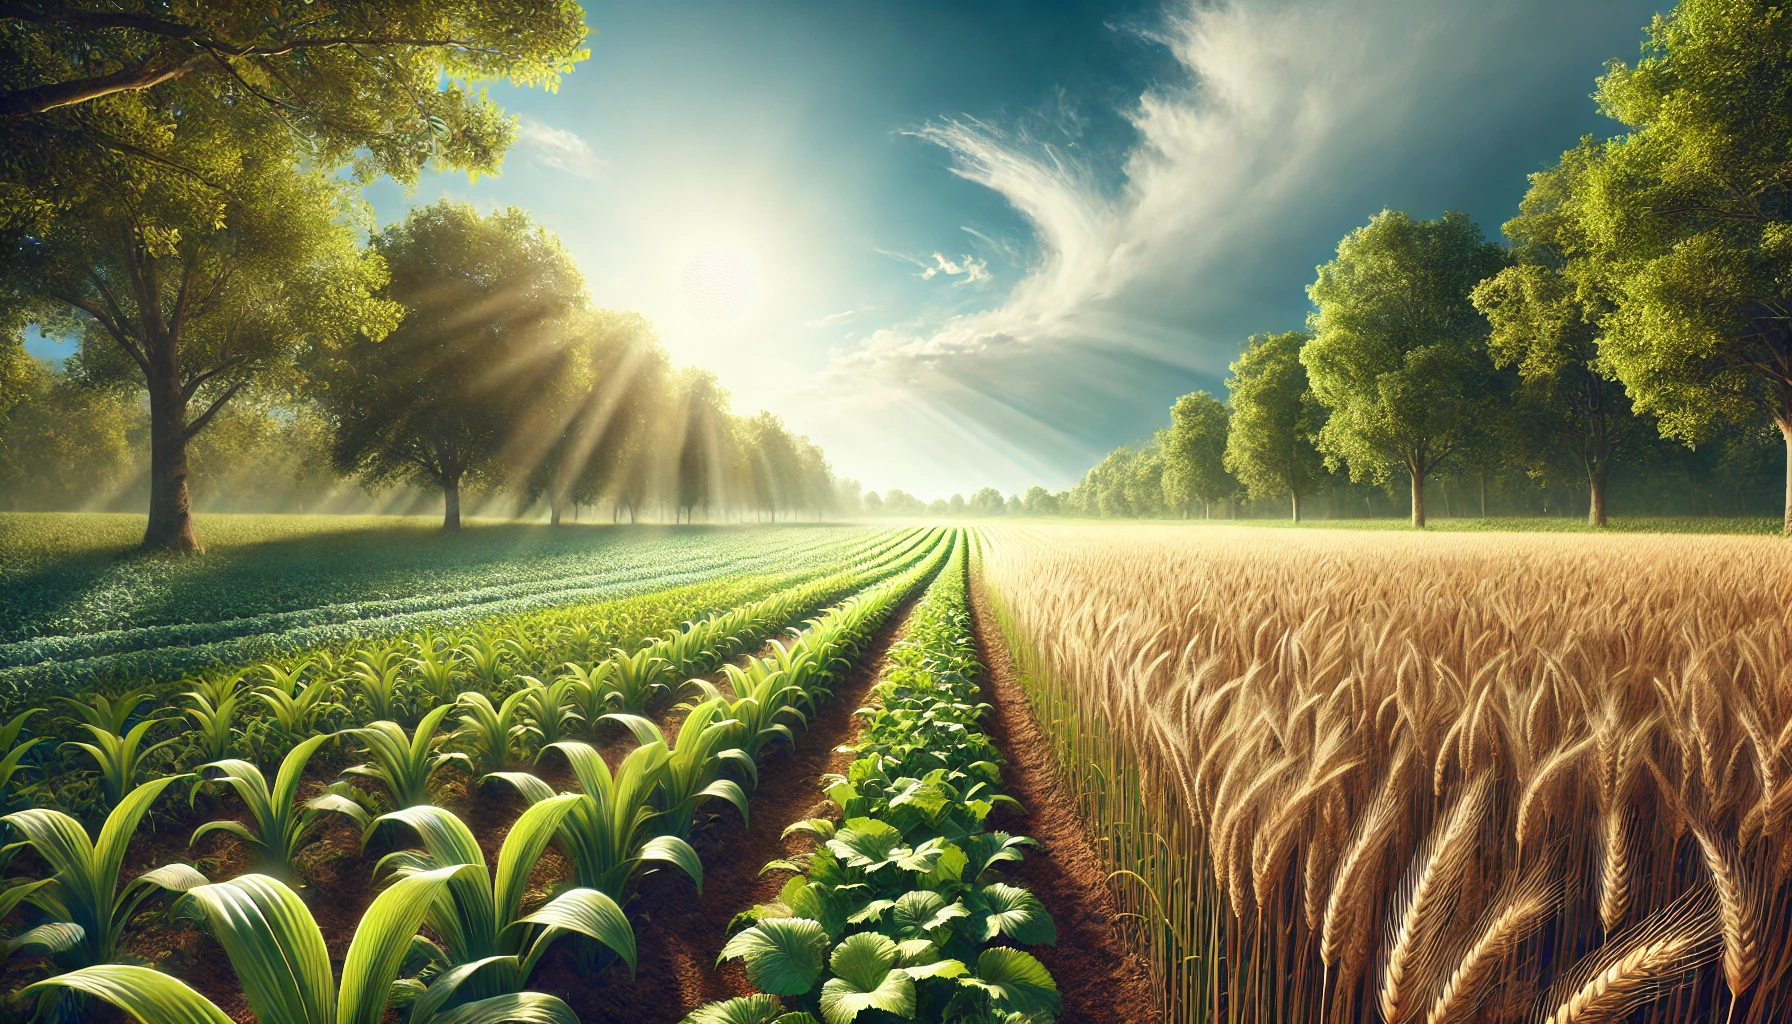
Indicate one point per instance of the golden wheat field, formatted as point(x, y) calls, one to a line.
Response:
point(1443, 778)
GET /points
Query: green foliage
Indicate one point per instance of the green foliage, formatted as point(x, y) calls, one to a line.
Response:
point(477, 354)
point(1398, 348)
point(1194, 447)
point(898, 898)
point(279, 826)
point(86, 909)
point(1275, 420)
point(117, 749)
point(406, 767)
point(279, 954)
point(489, 945)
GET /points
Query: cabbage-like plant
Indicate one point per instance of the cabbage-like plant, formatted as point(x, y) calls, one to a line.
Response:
point(489, 946)
point(491, 737)
point(405, 766)
point(279, 955)
point(118, 753)
point(609, 835)
point(280, 826)
point(694, 770)
point(87, 909)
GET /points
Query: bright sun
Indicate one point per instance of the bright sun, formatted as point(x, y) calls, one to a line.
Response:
point(717, 283)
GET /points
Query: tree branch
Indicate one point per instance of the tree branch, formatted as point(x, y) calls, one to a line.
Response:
point(42, 98)
point(93, 309)
point(206, 417)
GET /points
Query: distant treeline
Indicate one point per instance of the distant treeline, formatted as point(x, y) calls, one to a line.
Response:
point(499, 379)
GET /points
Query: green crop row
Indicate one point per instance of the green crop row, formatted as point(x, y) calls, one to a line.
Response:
point(612, 829)
point(902, 909)
point(692, 593)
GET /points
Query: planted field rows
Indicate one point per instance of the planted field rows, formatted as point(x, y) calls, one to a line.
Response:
point(1439, 778)
point(33, 668)
point(445, 733)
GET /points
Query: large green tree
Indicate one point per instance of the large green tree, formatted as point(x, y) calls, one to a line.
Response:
point(1275, 420)
point(168, 185)
point(488, 302)
point(1690, 216)
point(1194, 448)
point(1546, 311)
point(1398, 355)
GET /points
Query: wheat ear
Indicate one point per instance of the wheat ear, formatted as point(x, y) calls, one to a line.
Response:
point(1529, 906)
point(1429, 897)
point(1629, 971)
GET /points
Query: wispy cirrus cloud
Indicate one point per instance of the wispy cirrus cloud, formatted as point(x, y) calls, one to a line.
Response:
point(1291, 122)
point(836, 319)
point(558, 148)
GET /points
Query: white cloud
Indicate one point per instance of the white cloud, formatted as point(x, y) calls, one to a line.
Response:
point(558, 148)
point(1290, 110)
point(972, 268)
point(835, 319)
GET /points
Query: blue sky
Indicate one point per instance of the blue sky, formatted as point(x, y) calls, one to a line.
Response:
point(961, 244)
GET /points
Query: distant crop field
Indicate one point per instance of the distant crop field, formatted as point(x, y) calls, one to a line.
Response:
point(73, 597)
point(1425, 777)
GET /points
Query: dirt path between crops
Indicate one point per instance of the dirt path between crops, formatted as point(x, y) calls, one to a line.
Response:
point(1099, 980)
point(682, 932)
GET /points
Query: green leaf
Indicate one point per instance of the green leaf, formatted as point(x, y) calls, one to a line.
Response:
point(1012, 911)
point(753, 1009)
point(52, 938)
point(1015, 981)
point(592, 913)
point(783, 955)
point(148, 995)
point(514, 1008)
point(866, 978)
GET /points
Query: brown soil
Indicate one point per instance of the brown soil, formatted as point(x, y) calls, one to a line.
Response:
point(681, 932)
point(1099, 980)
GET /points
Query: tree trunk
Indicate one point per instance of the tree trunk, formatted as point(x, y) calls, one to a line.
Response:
point(1786, 431)
point(554, 510)
point(1483, 495)
point(1418, 500)
point(170, 507)
point(451, 504)
point(1296, 497)
point(1596, 494)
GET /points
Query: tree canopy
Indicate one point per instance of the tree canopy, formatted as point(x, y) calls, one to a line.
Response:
point(1194, 447)
point(1275, 420)
point(1398, 347)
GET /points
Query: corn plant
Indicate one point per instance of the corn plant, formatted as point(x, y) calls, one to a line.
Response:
point(487, 662)
point(634, 680)
point(436, 670)
point(87, 910)
point(491, 737)
point(280, 825)
point(489, 946)
point(295, 704)
point(373, 678)
point(214, 720)
point(15, 751)
point(118, 754)
point(406, 767)
point(279, 955)
point(609, 835)
point(693, 771)
point(548, 710)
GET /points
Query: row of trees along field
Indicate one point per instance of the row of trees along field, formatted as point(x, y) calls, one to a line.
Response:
point(1646, 297)
point(180, 191)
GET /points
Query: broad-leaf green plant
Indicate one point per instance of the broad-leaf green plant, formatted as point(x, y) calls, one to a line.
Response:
point(406, 767)
point(280, 827)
